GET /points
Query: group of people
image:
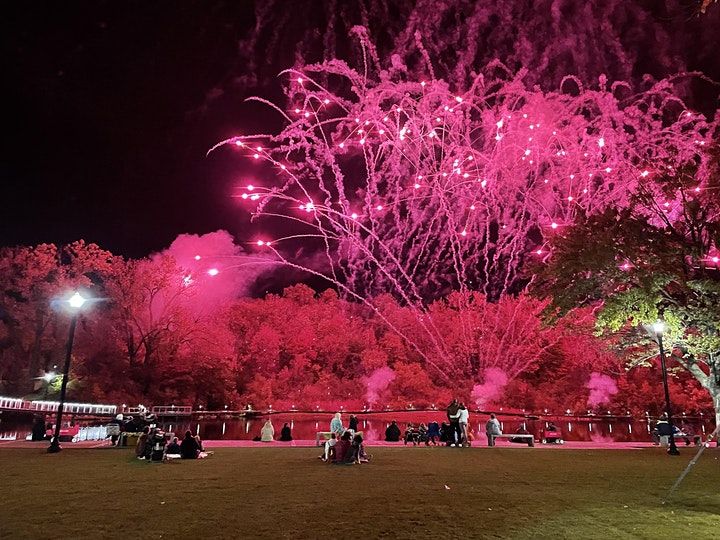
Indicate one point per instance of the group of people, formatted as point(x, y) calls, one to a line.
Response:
point(345, 445)
point(663, 429)
point(454, 432)
point(152, 445)
point(267, 433)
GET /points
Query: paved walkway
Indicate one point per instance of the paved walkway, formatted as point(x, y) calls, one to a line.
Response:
point(570, 445)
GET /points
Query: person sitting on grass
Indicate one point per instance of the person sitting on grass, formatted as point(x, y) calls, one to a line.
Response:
point(411, 435)
point(173, 448)
point(285, 434)
point(189, 448)
point(358, 449)
point(343, 450)
point(392, 433)
point(267, 433)
point(433, 433)
point(422, 433)
point(329, 452)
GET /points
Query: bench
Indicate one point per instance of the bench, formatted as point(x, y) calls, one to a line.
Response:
point(325, 436)
point(525, 436)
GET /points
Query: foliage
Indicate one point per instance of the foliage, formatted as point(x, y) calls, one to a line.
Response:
point(656, 259)
point(146, 341)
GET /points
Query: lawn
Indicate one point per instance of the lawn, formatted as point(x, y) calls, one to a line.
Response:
point(288, 493)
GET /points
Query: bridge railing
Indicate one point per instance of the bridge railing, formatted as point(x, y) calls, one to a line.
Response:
point(172, 410)
point(72, 408)
point(11, 403)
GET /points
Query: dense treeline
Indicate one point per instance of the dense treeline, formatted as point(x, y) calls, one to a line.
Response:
point(160, 332)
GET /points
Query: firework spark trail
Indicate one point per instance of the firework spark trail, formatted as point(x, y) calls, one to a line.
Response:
point(418, 191)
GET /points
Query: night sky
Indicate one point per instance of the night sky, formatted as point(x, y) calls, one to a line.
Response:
point(110, 108)
point(107, 123)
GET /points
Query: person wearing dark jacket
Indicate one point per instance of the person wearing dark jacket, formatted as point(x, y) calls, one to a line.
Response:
point(173, 448)
point(453, 417)
point(189, 448)
point(353, 423)
point(285, 434)
point(433, 433)
point(392, 433)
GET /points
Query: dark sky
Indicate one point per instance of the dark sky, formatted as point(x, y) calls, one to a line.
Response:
point(105, 128)
point(107, 120)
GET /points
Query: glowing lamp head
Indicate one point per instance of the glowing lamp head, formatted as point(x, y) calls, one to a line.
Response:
point(250, 187)
point(198, 257)
point(354, 215)
point(553, 225)
point(715, 259)
point(238, 143)
point(260, 242)
point(658, 327)
point(213, 272)
point(76, 301)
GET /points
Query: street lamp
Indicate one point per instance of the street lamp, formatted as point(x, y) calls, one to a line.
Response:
point(76, 302)
point(659, 328)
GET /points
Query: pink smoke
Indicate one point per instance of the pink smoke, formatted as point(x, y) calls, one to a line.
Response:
point(377, 382)
point(602, 388)
point(495, 380)
point(214, 270)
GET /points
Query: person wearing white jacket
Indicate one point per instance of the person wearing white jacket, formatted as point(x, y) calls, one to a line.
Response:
point(464, 420)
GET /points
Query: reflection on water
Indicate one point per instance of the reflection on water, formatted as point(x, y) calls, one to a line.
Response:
point(305, 425)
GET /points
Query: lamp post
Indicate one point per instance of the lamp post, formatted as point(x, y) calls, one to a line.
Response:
point(659, 328)
point(75, 302)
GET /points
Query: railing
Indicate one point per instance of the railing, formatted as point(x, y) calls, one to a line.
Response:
point(172, 410)
point(11, 403)
point(52, 406)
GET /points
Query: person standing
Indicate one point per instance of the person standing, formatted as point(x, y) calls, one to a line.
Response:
point(453, 418)
point(492, 429)
point(463, 419)
point(353, 423)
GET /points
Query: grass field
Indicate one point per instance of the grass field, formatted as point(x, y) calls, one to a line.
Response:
point(288, 493)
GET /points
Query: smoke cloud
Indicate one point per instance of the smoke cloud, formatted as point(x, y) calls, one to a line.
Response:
point(214, 269)
point(602, 388)
point(377, 382)
point(495, 380)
